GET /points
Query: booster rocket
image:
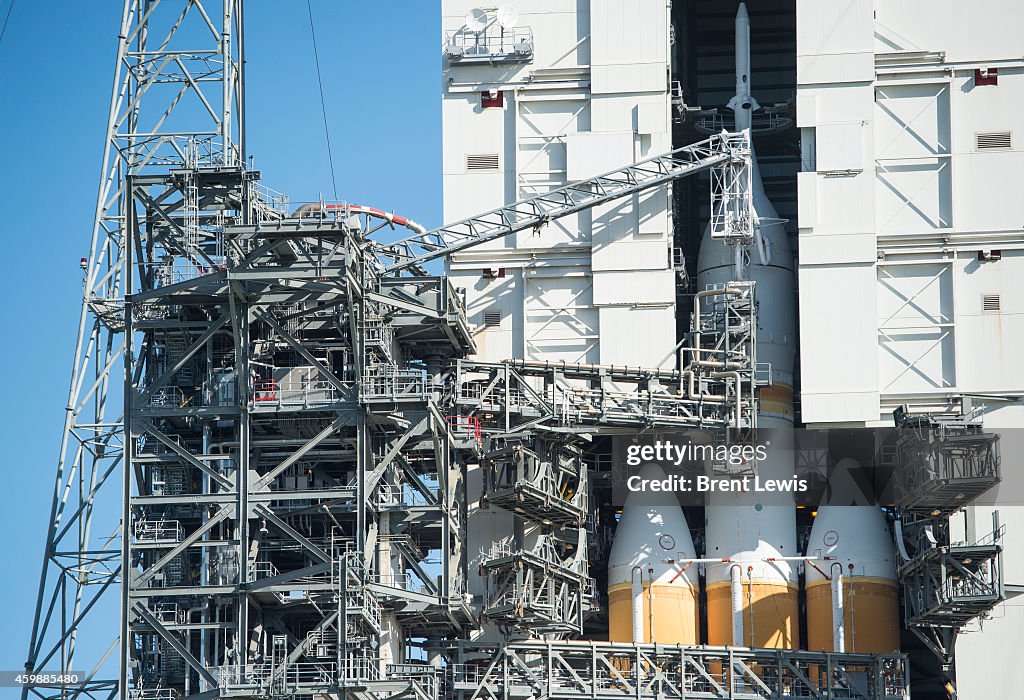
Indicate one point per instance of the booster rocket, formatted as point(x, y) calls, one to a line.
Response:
point(651, 598)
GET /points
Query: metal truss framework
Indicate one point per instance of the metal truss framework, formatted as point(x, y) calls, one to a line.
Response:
point(943, 464)
point(537, 579)
point(656, 672)
point(173, 58)
point(728, 153)
point(319, 508)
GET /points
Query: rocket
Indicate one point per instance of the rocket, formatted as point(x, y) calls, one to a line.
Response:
point(652, 589)
point(852, 591)
point(752, 597)
point(743, 104)
point(773, 272)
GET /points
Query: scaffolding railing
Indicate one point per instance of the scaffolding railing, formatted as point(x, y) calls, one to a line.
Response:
point(492, 44)
point(295, 392)
point(154, 531)
point(387, 383)
point(610, 670)
point(293, 678)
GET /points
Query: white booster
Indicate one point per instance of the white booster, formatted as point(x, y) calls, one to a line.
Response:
point(652, 591)
point(739, 526)
point(852, 591)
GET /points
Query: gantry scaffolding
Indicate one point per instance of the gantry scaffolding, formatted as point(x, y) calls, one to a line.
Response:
point(570, 670)
point(942, 464)
point(300, 410)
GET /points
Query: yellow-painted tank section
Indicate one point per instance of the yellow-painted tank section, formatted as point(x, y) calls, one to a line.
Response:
point(871, 608)
point(674, 614)
point(775, 623)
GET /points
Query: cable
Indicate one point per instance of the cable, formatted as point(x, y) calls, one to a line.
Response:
point(7, 18)
point(323, 103)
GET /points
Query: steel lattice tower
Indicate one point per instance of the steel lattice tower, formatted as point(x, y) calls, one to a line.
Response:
point(177, 98)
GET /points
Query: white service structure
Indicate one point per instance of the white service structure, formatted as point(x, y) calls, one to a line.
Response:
point(910, 118)
point(566, 91)
point(592, 96)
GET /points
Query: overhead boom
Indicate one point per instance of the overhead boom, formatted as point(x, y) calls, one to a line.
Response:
point(533, 212)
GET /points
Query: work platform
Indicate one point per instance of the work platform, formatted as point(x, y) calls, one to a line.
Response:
point(577, 670)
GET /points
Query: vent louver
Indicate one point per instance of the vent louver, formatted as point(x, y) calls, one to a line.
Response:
point(990, 303)
point(492, 318)
point(482, 161)
point(993, 140)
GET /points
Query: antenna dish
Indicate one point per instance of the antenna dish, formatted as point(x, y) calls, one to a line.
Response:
point(507, 16)
point(476, 20)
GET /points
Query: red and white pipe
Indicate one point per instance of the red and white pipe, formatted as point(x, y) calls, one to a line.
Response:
point(390, 217)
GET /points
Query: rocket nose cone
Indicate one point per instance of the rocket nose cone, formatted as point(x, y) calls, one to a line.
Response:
point(741, 13)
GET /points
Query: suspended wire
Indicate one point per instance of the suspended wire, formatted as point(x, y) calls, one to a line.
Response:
point(7, 17)
point(323, 103)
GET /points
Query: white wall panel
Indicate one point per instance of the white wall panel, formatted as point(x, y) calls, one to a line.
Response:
point(648, 335)
point(619, 244)
point(502, 295)
point(629, 50)
point(990, 183)
point(842, 248)
point(990, 342)
point(840, 146)
point(807, 200)
point(560, 321)
point(610, 108)
point(834, 41)
point(653, 212)
point(593, 153)
point(963, 30)
point(928, 201)
point(914, 196)
point(845, 204)
point(839, 360)
point(915, 328)
point(912, 121)
point(634, 287)
point(650, 77)
point(651, 117)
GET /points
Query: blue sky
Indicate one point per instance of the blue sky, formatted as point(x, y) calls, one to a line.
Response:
point(380, 63)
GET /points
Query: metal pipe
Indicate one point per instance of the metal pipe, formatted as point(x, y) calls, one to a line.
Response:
point(853, 612)
point(638, 605)
point(838, 623)
point(750, 601)
point(650, 603)
point(736, 588)
point(739, 399)
point(578, 367)
point(726, 560)
point(390, 217)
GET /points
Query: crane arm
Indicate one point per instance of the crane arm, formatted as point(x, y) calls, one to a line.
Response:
point(533, 212)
